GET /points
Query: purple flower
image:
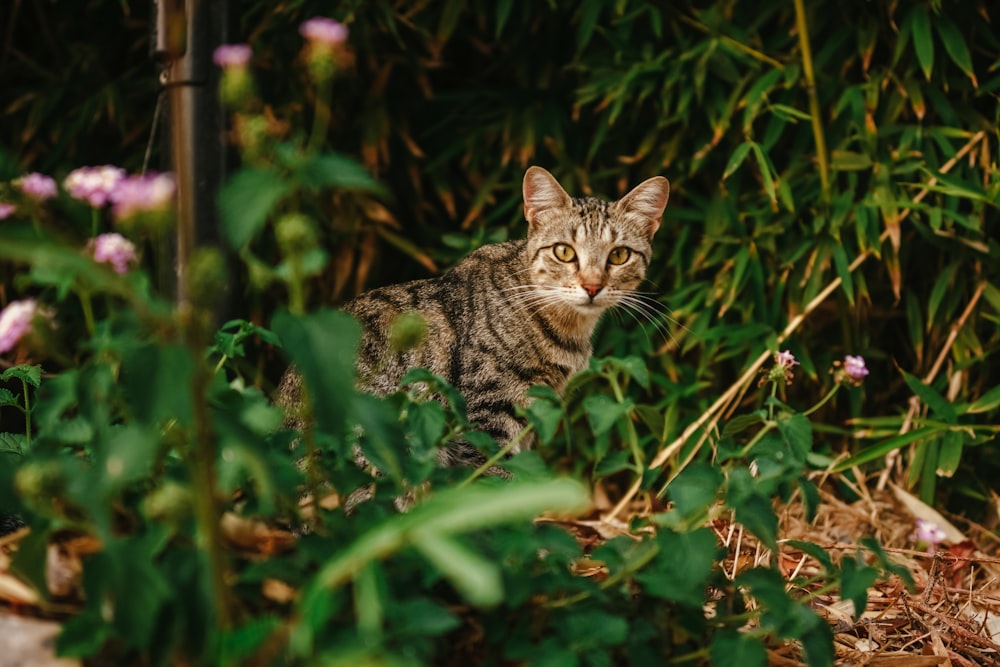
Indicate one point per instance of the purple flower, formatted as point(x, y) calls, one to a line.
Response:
point(94, 185)
point(114, 249)
point(37, 186)
point(232, 55)
point(6, 210)
point(854, 367)
point(15, 322)
point(324, 31)
point(140, 194)
point(785, 360)
point(930, 533)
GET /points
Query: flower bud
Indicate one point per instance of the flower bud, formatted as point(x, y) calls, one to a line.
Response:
point(295, 234)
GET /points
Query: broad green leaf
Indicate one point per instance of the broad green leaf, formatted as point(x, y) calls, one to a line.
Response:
point(421, 617)
point(322, 346)
point(695, 488)
point(30, 374)
point(333, 170)
point(12, 443)
point(369, 607)
point(942, 285)
point(731, 647)
point(246, 201)
point(923, 41)
point(954, 44)
point(239, 644)
point(7, 397)
point(158, 380)
point(752, 508)
point(796, 430)
point(821, 555)
point(476, 578)
point(682, 568)
point(545, 418)
point(603, 412)
point(856, 579)
point(588, 629)
point(740, 423)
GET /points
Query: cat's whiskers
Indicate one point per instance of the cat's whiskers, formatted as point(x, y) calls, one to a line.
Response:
point(641, 304)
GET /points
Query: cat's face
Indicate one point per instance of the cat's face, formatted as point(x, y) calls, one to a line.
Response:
point(587, 254)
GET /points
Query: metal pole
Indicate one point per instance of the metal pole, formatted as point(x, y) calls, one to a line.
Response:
point(186, 34)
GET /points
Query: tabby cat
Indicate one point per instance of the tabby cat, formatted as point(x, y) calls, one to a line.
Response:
point(515, 314)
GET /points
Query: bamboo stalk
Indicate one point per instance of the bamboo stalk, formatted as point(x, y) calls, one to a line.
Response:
point(814, 110)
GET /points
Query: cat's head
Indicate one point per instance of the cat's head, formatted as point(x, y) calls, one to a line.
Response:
point(587, 253)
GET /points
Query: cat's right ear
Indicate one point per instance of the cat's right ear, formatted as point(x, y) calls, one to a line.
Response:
point(541, 192)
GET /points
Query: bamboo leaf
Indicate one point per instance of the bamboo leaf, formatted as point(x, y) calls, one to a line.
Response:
point(954, 44)
point(923, 40)
point(736, 159)
point(766, 174)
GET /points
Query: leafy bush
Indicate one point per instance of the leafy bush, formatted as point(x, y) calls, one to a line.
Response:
point(149, 432)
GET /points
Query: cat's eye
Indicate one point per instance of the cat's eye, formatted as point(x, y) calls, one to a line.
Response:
point(563, 252)
point(619, 256)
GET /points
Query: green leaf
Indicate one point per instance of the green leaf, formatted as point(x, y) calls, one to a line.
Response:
point(815, 551)
point(246, 201)
point(740, 423)
point(796, 430)
point(881, 449)
point(844, 272)
point(239, 644)
point(13, 442)
point(322, 346)
point(30, 374)
point(603, 412)
point(681, 570)
point(545, 418)
point(736, 159)
point(954, 44)
point(766, 175)
point(950, 453)
point(856, 579)
point(476, 578)
point(752, 508)
point(985, 403)
point(157, 381)
point(591, 629)
point(731, 647)
point(844, 160)
point(923, 41)
point(938, 404)
point(82, 635)
point(421, 617)
point(7, 397)
point(332, 170)
point(695, 488)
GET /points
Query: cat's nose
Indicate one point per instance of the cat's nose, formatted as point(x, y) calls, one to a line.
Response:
point(592, 290)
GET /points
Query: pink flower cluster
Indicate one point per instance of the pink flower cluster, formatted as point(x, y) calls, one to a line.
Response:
point(322, 31)
point(115, 250)
point(15, 322)
point(37, 186)
point(94, 185)
point(6, 210)
point(232, 55)
point(140, 194)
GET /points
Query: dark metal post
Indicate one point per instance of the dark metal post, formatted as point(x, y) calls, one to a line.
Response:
point(186, 34)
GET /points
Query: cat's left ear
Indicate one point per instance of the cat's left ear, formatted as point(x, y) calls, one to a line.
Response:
point(647, 201)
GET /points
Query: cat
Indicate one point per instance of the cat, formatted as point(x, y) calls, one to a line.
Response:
point(516, 314)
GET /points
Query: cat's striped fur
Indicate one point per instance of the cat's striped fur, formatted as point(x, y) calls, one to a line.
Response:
point(516, 314)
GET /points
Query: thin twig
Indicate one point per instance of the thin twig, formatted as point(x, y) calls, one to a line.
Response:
point(712, 412)
point(814, 110)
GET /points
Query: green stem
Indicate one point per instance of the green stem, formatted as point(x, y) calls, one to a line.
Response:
point(814, 110)
point(88, 311)
point(296, 289)
point(631, 567)
point(768, 427)
point(823, 401)
point(95, 221)
point(496, 458)
point(321, 119)
point(27, 414)
point(633, 435)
